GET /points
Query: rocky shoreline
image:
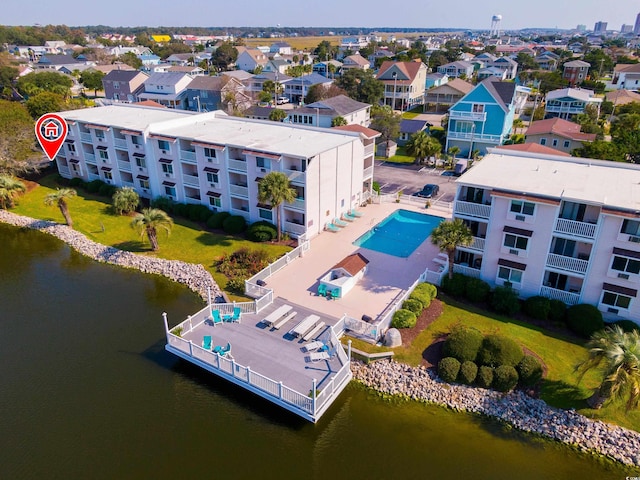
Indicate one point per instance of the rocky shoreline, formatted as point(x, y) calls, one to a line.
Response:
point(193, 276)
point(516, 408)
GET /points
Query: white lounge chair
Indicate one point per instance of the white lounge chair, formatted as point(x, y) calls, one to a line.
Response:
point(311, 346)
point(318, 356)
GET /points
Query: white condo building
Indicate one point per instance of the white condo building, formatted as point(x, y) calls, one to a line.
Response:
point(560, 227)
point(217, 160)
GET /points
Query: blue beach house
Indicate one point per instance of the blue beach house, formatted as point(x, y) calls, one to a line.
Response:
point(483, 118)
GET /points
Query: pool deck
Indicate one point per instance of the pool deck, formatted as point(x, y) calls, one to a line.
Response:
point(386, 275)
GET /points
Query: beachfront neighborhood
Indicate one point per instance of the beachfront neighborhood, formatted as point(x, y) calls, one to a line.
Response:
point(497, 168)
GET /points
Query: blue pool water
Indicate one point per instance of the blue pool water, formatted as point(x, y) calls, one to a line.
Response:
point(400, 233)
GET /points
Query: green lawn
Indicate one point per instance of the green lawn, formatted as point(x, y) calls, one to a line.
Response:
point(92, 216)
point(400, 157)
point(560, 387)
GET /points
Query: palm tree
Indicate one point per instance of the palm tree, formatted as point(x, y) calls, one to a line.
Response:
point(149, 221)
point(10, 188)
point(60, 198)
point(125, 200)
point(617, 354)
point(422, 145)
point(448, 236)
point(518, 123)
point(275, 189)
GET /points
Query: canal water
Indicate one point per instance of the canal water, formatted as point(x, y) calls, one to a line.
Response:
point(87, 391)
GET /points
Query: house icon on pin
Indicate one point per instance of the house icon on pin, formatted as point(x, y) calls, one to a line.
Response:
point(51, 129)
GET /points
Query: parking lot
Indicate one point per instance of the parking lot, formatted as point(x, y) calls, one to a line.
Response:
point(394, 177)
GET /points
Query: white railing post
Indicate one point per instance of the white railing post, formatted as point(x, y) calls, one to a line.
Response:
point(349, 347)
point(209, 295)
point(314, 396)
point(280, 390)
point(190, 323)
point(249, 375)
point(233, 367)
point(166, 323)
point(190, 348)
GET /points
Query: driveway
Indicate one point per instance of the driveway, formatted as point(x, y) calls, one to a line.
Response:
point(394, 177)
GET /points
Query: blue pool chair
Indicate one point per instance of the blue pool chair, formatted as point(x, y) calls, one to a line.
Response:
point(206, 342)
point(322, 289)
point(237, 313)
point(215, 315)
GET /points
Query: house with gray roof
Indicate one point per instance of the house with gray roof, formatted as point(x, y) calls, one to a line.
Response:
point(409, 127)
point(566, 102)
point(322, 113)
point(123, 85)
point(205, 94)
point(297, 88)
point(167, 88)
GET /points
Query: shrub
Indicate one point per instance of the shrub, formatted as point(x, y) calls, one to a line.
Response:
point(106, 190)
point(404, 319)
point(217, 219)
point(236, 284)
point(505, 300)
point(180, 209)
point(429, 288)
point(537, 307)
point(199, 213)
point(455, 286)
point(484, 378)
point(468, 373)
point(477, 290)
point(234, 224)
point(557, 310)
point(498, 350)
point(421, 296)
point(376, 187)
point(125, 200)
point(262, 231)
point(530, 371)
point(463, 343)
point(77, 182)
point(627, 325)
point(584, 319)
point(448, 369)
point(505, 378)
point(163, 203)
point(242, 263)
point(94, 185)
point(413, 305)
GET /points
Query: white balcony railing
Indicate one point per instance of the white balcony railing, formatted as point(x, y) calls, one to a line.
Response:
point(298, 204)
point(120, 143)
point(464, 270)
point(567, 263)
point(126, 166)
point(570, 298)
point(86, 137)
point(561, 109)
point(188, 156)
point(472, 209)
point(239, 190)
point(476, 137)
point(89, 157)
point(369, 150)
point(477, 244)
point(572, 227)
point(192, 180)
point(296, 176)
point(478, 116)
point(294, 228)
point(367, 173)
point(237, 165)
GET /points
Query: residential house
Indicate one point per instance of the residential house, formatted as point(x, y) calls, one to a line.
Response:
point(483, 118)
point(255, 84)
point(257, 112)
point(112, 66)
point(622, 97)
point(209, 159)
point(189, 70)
point(353, 44)
point(355, 62)
point(62, 63)
point(404, 83)
point(534, 148)
point(250, 58)
point(486, 57)
point(547, 62)
point(149, 60)
point(446, 95)
point(322, 113)
point(436, 79)
point(282, 48)
point(561, 227)
point(123, 85)
point(327, 69)
point(626, 76)
point(279, 65)
point(507, 65)
point(181, 59)
point(457, 69)
point(566, 102)
point(575, 72)
point(484, 73)
point(379, 55)
point(409, 127)
point(241, 75)
point(206, 94)
point(297, 88)
point(558, 134)
point(168, 89)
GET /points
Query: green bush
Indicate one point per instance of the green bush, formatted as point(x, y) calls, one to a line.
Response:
point(125, 200)
point(77, 182)
point(376, 187)
point(217, 219)
point(463, 343)
point(468, 373)
point(107, 190)
point(198, 213)
point(262, 231)
point(421, 296)
point(529, 370)
point(236, 284)
point(484, 378)
point(557, 310)
point(477, 290)
point(413, 305)
point(432, 290)
point(163, 203)
point(404, 319)
point(627, 325)
point(505, 378)
point(234, 224)
point(537, 307)
point(498, 350)
point(94, 185)
point(584, 319)
point(448, 369)
point(180, 209)
point(505, 300)
point(456, 286)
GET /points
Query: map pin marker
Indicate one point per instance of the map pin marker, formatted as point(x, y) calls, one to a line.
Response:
point(51, 130)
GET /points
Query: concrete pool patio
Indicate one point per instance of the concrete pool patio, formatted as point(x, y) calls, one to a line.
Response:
point(386, 276)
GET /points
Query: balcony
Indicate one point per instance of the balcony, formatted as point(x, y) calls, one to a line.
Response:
point(64, 171)
point(472, 209)
point(564, 109)
point(86, 137)
point(569, 264)
point(89, 157)
point(477, 244)
point(192, 180)
point(188, 156)
point(476, 116)
point(296, 176)
point(120, 143)
point(465, 270)
point(579, 229)
point(570, 298)
point(367, 173)
point(369, 150)
point(298, 204)
point(124, 166)
point(294, 228)
point(239, 190)
point(476, 137)
point(237, 165)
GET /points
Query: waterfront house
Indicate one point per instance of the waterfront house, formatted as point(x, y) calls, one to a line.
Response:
point(567, 102)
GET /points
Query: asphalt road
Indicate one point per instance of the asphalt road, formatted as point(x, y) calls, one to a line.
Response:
point(394, 177)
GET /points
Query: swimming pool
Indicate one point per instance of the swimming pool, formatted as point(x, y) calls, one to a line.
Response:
point(400, 233)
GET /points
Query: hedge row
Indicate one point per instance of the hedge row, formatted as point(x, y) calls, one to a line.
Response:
point(418, 300)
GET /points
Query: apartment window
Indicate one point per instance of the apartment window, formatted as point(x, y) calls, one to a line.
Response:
point(99, 134)
point(204, 94)
point(164, 145)
point(478, 108)
point(509, 274)
point(522, 207)
point(170, 191)
point(616, 300)
point(515, 241)
point(167, 168)
point(212, 177)
point(566, 144)
point(108, 176)
point(116, 85)
point(543, 141)
point(144, 183)
point(263, 162)
point(265, 214)
point(631, 227)
point(210, 152)
point(140, 162)
point(625, 264)
point(104, 155)
point(215, 202)
point(136, 140)
point(554, 143)
point(71, 147)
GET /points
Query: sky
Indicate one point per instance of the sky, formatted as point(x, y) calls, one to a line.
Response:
point(473, 14)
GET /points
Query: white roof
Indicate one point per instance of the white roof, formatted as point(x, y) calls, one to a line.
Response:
point(125, 116)
point(577, 93)
point(597, 182)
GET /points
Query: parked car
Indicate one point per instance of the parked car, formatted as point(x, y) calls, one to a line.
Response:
point(282, 100)
point(428, 191)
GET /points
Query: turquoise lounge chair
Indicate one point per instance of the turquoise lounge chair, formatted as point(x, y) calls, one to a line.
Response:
point(339, 222)
point(226, 351)
point(349, 217)
point(322, 289)
point(355, 213)
point(215, 315)
point(335, 293)
point(206, 342)
point(331, 227)
point(237, 313)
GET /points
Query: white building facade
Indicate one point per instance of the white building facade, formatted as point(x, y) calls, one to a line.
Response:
point(564, 228)
point(216, 160)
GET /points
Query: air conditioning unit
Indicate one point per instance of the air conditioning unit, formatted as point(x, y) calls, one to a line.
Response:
point(213, 185)
point(164, 151)
point(140, 169)
point(613, 310)
point(136, 146)
point(167, 174)
point(514, 251)
point(100, 139)
point(634, 239)
point(521, 218)
point(624, 276)
point(263, 170)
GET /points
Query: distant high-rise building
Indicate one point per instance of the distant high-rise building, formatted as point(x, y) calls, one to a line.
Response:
point(626, 28)
point(581, 28)
point(600, 27)
point(636, 28)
